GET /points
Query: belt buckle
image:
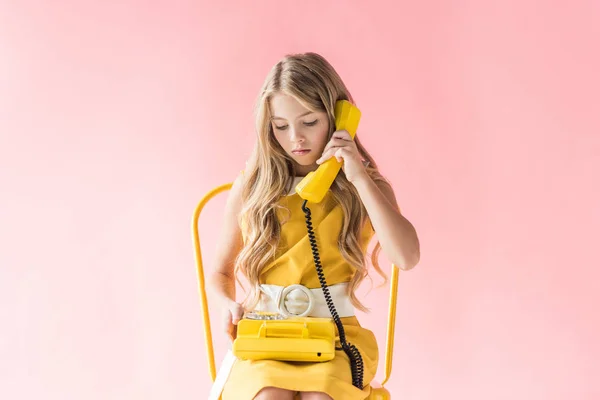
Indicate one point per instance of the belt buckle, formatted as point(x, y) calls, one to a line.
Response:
point(286, 291)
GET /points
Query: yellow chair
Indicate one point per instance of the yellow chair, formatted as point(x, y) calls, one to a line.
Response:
point(378, 392)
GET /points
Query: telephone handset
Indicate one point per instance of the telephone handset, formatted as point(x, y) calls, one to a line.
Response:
point(315, 184)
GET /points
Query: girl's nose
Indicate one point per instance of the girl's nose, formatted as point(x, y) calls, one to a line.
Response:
point(296, 136)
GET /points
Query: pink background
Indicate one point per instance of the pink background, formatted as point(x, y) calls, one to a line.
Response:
point(116, 118)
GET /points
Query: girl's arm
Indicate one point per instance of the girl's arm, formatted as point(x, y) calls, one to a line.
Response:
point(397, 235)
point(229, 245)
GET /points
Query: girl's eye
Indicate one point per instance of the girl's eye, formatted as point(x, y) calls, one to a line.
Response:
point(284, 127)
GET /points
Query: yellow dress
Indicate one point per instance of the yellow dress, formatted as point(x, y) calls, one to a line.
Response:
point(294, 264)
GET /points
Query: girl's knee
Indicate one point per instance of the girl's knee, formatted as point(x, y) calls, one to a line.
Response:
point(273, 393)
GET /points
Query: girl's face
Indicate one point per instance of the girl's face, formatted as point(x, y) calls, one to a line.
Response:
point(300, 132)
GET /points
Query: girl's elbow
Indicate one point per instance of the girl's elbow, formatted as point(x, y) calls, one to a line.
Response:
point(407, 263)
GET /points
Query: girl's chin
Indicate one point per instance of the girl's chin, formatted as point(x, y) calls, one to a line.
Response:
point(304, 161)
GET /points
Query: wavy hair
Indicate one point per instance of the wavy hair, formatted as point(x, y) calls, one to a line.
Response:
point(311, 80)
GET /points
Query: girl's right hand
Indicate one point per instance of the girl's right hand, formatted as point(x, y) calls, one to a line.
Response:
point(233, 314)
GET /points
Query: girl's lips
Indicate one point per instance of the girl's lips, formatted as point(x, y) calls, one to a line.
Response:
point(301, 152)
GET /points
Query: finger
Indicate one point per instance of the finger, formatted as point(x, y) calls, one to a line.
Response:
point(331, 143)
point(342, 135)
point(342, 153)
point(328, 154)
point(229, 330)
point(235, 318)
point(236, 313)
point(324, 157)
point(349, 145)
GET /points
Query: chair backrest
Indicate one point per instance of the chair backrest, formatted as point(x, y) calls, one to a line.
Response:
point(391, 323)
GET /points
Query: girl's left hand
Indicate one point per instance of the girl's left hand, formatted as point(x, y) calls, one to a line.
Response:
point(342, 147)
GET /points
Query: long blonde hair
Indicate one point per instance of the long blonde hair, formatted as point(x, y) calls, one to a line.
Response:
point(311, 80)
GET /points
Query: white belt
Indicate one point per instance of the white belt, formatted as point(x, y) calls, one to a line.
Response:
point(300, 301)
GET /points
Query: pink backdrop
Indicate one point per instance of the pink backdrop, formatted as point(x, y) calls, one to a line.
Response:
point(116, 119)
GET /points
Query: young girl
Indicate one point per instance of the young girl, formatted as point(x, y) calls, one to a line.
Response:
point(265, 237)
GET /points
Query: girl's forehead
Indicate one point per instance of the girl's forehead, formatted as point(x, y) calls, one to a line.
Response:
point(287, 107)
point(284, 106)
